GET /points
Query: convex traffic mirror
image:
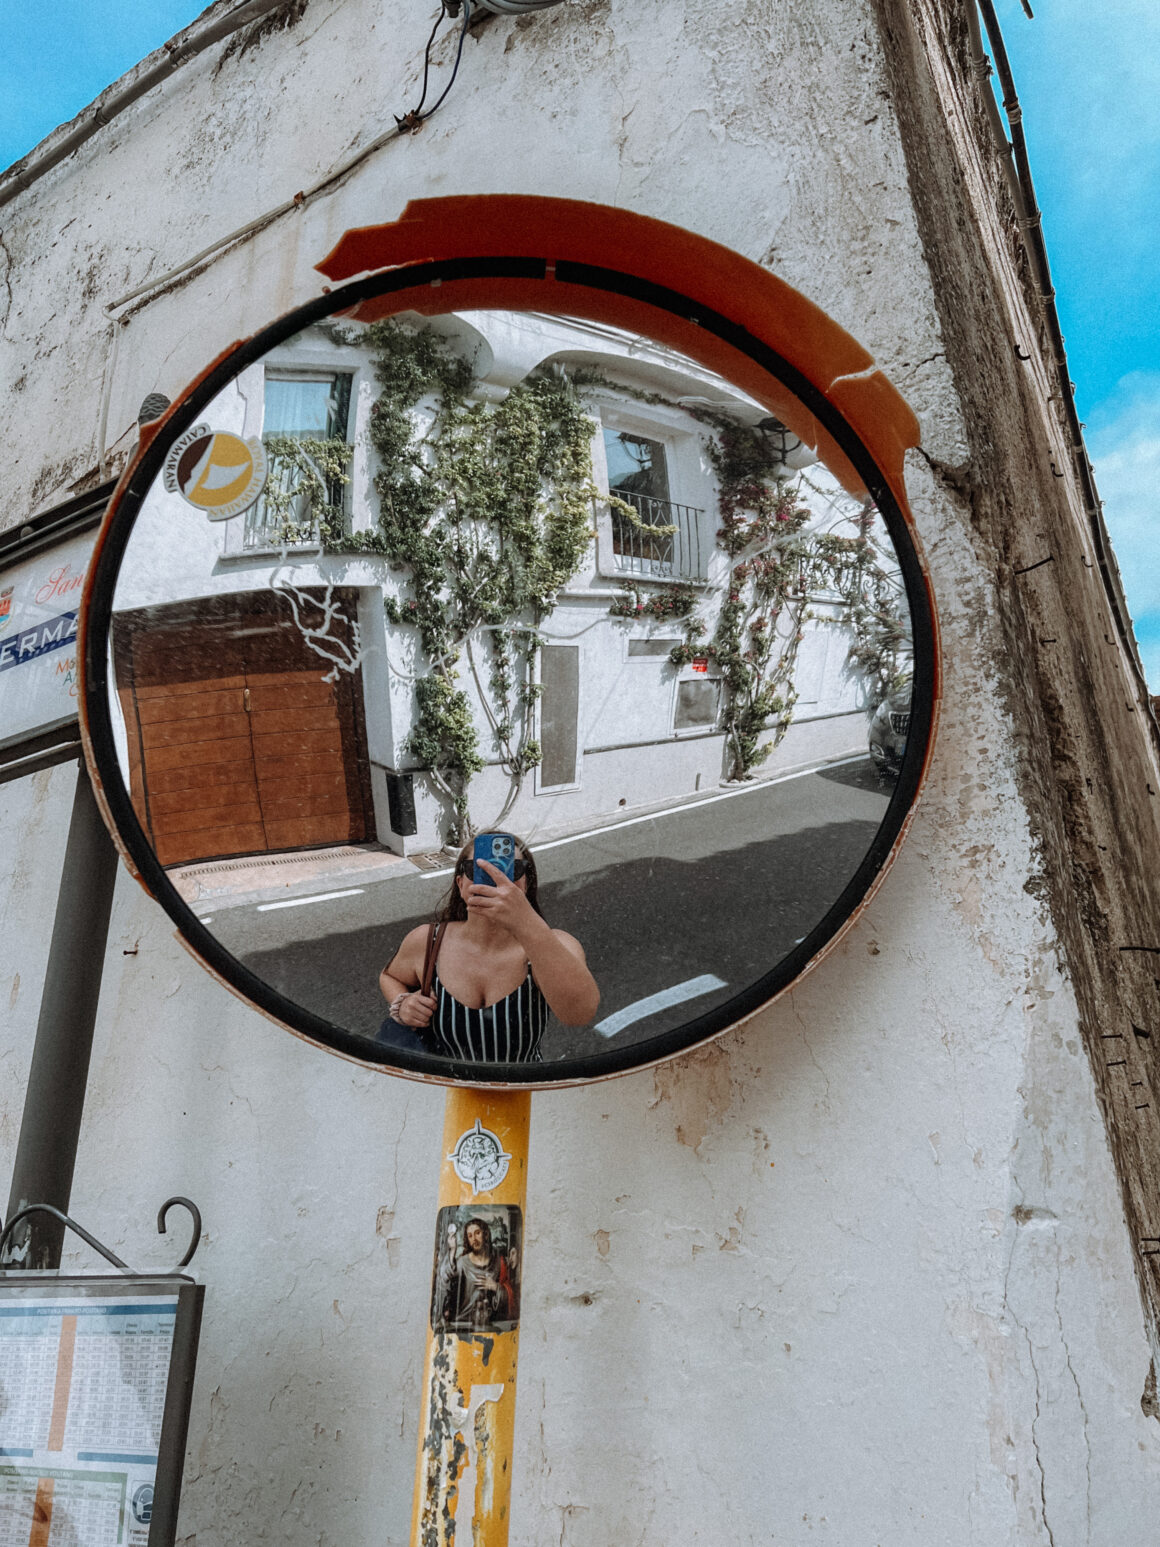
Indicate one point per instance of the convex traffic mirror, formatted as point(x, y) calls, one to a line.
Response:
point(476, 546)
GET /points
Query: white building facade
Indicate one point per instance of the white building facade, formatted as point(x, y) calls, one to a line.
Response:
point(618, 723)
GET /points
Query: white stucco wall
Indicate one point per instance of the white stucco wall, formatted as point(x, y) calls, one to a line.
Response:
point(858, 1272)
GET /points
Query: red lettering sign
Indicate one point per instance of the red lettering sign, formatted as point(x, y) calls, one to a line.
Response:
point(61, 582)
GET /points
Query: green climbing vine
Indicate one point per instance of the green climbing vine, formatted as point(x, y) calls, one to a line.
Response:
point(674, 600)
point(776, 566)
point(487, 510)
point(303, 496)
point(880, 652)
point(760, 520)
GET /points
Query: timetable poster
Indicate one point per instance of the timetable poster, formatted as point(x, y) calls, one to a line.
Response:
point(82, 1395)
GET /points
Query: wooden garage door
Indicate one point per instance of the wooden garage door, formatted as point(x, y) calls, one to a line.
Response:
point(236, 743)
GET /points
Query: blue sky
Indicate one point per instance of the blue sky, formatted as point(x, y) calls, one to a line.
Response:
point(1088, 76)
point(57, 55)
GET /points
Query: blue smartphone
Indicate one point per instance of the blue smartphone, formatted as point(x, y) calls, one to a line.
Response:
point(499, 849)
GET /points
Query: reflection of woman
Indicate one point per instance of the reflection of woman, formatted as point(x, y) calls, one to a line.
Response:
point(500, 969)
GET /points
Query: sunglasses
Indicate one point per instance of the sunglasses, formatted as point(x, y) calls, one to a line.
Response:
point(520, 867)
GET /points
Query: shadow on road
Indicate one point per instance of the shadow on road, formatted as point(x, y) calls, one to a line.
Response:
point(858, 776)
point(645, 923)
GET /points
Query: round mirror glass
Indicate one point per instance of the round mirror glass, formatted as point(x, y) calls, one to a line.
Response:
point(386, 583)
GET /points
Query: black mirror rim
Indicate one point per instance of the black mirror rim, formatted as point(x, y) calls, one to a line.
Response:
point(101, 752)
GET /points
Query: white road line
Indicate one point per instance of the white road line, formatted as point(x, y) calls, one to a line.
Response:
point(655, 816)
point(677, 994)
point(300, 902)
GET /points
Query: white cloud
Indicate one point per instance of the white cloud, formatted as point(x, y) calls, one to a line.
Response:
point(1125, 451)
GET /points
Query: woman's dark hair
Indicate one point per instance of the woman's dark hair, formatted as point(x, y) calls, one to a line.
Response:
point(453, 909)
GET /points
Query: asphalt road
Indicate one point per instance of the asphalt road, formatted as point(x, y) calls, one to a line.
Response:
point(716, 890)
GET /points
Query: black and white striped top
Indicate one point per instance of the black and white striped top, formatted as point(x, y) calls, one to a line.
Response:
point(507, 1032)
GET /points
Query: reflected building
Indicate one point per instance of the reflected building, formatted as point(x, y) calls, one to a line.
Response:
point(270, 669)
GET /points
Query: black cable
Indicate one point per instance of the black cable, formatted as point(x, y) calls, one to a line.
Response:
point(458, 57)
point(427, 59)
point(416, 118)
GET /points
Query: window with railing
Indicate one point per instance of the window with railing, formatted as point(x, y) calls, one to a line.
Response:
point(652, 534)
point(304, 431)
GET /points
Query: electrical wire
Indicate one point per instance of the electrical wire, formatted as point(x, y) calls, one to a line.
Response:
point(411, 122)
point(259, 223)
point(427, 59)
point(299, 201)
point(458, 57)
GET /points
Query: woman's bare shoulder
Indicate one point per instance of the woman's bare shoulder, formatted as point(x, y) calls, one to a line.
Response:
point(413, 943)
point(571, 942)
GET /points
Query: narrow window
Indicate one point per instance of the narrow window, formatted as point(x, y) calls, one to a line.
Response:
point(302, 498)
point(652, 534)
point(559, 715)
point(638, 475)
point(641, 649)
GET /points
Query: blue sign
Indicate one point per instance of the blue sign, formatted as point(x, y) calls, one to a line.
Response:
point(52, 634)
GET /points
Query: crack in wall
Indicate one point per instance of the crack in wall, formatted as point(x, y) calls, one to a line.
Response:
point(1078, 1394)
point(809, 1048)
point(1035, 1427)
point(1028, 1218)
point(7, 311)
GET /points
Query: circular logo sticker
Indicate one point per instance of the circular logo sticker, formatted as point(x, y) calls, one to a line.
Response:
point(143, 1504)
point(479, 1159)
point(218, 473)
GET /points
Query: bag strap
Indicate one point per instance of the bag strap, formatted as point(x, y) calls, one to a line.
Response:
point(434, 941)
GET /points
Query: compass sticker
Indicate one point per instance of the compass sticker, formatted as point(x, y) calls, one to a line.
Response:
point(480, 1159)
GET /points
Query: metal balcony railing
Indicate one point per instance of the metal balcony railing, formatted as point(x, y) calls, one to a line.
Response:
point(680, 555)
point(286, 515)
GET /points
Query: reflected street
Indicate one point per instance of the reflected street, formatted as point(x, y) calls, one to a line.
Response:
point(780, 851)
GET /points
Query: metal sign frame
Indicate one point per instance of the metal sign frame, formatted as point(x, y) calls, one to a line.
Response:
point(31, 1285)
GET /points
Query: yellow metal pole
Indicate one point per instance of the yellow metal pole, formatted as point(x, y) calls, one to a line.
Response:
point(463, 1476)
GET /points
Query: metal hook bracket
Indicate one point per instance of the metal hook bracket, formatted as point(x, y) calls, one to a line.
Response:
point(97, 1246)
point(195, 1213)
